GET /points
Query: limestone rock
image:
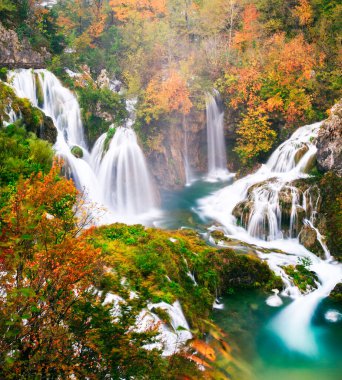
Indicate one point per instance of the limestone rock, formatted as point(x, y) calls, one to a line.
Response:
point(329, 142)
point(19, 54)
point(308, 237)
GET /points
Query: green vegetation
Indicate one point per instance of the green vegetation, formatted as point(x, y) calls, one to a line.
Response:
point(302, 277)
point(100, 108)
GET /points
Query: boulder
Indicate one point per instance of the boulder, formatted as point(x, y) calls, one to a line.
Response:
point(329, 142)
point(48, 131)
point(77, 151)
point(308, 238)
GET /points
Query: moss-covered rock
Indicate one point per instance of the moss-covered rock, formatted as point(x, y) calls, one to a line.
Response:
point(47, 130)
point(302, 277)
point(77, 151)
point(336, 294)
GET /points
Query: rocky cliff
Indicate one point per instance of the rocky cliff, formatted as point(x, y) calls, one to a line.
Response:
point(181, 141)
point(19, 54)
point(329, 142)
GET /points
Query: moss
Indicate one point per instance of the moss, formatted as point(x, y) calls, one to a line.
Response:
point(110, 134)
point(3, 73)
point(39, 91)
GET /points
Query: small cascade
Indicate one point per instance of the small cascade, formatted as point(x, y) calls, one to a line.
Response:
point(117, 179)
point(267, 209)
point(217, 158)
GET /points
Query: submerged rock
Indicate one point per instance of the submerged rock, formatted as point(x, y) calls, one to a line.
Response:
point(329, 142)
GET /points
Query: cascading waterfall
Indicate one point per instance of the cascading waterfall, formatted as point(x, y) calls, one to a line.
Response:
point(261, 196)
point(124, 176)
point(118, 178)
point(217, 159)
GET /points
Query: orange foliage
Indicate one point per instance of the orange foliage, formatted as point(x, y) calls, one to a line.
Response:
point(304, 12)
point(250, 27)
point(126, 9)
point(47, 267)
point(170, 94)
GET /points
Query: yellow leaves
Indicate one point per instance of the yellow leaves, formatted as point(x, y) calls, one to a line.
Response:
point(275, 103)
point(255, 133)
point(304, 12)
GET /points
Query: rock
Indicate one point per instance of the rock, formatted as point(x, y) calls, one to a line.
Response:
point(103, 80)
point(329, 142)
point(242, 211)
point(77, 151)
point(165, 150)
point(19, 54)
point(300, 153)
point(48, 131)
point(336, 294)
point(308, 238)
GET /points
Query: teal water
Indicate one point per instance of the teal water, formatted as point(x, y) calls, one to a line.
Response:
point(246, 318)
point(178, 207)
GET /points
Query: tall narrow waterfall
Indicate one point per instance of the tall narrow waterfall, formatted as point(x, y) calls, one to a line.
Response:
point(118, 178)
point(217, 159)
point(124, 176)
point(264, 209)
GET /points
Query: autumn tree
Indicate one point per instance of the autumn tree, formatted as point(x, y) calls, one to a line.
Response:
point(53, 321)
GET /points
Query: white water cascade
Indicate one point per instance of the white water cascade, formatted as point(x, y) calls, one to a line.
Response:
point(117, 179)
point(217, 159)
point(259, 195)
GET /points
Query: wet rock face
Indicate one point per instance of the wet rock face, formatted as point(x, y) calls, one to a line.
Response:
point(47, 131)
point(308, 238)
point(167, 153)
point(329, 142)
point(19, 54)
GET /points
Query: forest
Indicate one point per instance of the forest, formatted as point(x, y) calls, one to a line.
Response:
point(170, 189)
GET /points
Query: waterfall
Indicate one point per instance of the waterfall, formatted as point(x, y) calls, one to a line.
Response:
point(217, 159)
point(124, 177)
point(117, 179)
point(262, 201)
